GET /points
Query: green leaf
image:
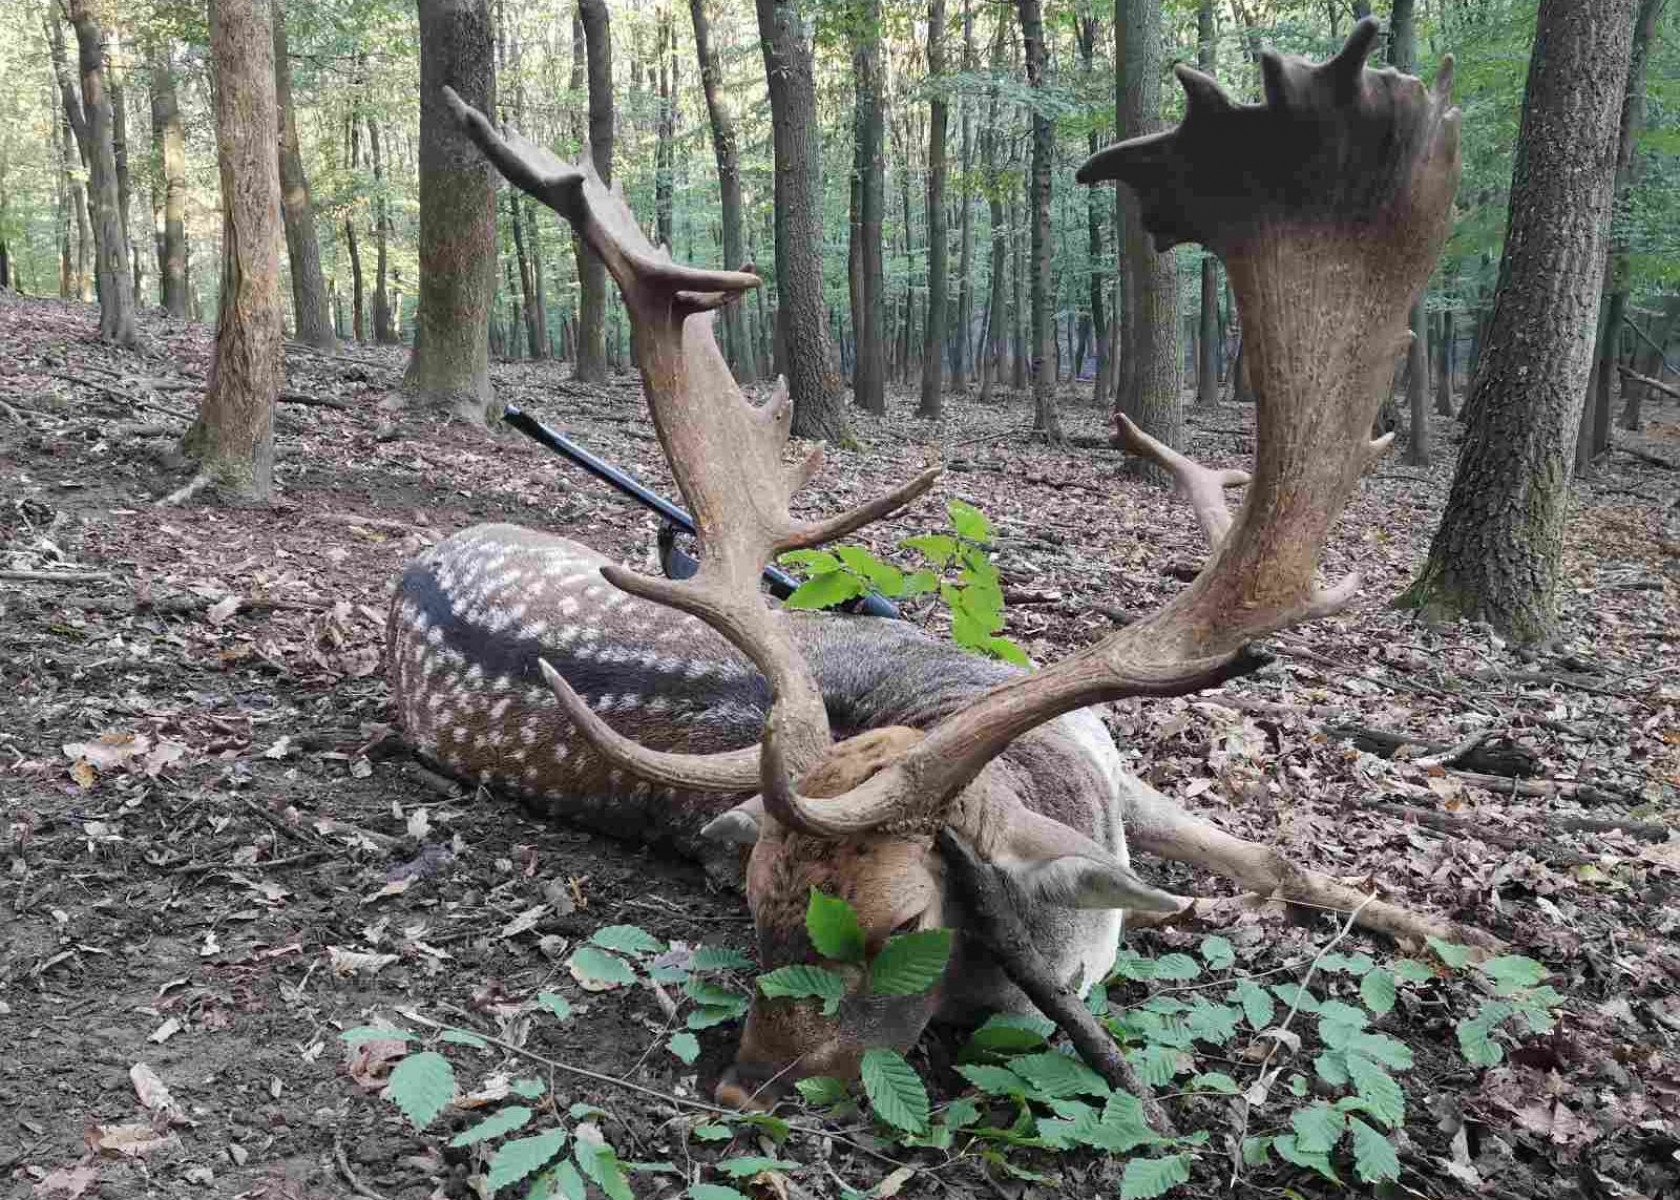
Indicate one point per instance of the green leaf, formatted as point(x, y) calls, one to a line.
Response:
point(1011, 1033)
point(1376, 1087)
point(1381, 1048)
point(1511, 972)
point(1289, 1151)
point(594, 965)
point(994, 1081)
point(713, 995)
point(1215, 1024)
point(1334, 1012)
point(822, 1090)
point(1123, 1128)
point(1146, 1177)
point(882, 576)
point(514, 1116)
point(833, 927)
point(719, 958)
point(801, 981)
point(1057, 1075)
point(1346, 964)
point(772, 1126)
point(919, 583)
point(373, 1033)
point(560, 1180)
point(528, 1089)
point(1377, 990)
point(461, 1037)
point(1256, 1002)
point(708, 1015)
point(1256, 1151)
point(685, 1046)
point(515, 1160)
point(825, 591)
point(599, 1162)
point(960, 1113)
point(748, 1165)
point(910, 963)
point(938, 549)
point(1410, 970)
point(713, 1133)
point(1215, 1081)
point(1475, 1035)
point(422, 1086)
point(1156, 1064)
point(1217, 952)
point(1373, 1156)
point(1176, 967)
point(969, 522)
point(894, 1089)
point(1004, 650)
point(1294, 994)
point(1318, 1128)
point(627, 939)
point(1451, 953)
point(555, 1003)
point(713, 1191)
point(667, 972)
point(811, 561)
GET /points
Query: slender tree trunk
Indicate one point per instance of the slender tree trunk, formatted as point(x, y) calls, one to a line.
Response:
point(383, 332)
point(119, 151)
point(169, 143)
point(1047, 421)
point(110, 240)
point(1208, 341)
point(1087, 37)
point(591, 365)
point(933, 333)
point(664, 156)
point(527, 285)
point(1402, 53)
point(1152, 360)
point(233, 437)
point(358, 302)
point(449, 367)
point(526, 211)
point(1444, 354)
point(736, 344)
point(309, 285)
point(869, 374)
point(1018, 356)
point(74, 280)
point(991, 366)
point(961, 360)
point(1497, 554)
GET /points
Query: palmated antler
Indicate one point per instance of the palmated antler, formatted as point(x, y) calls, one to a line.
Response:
point(1328, 203)
point(726, 456)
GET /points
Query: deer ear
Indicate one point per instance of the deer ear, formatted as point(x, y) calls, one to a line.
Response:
point(1053, 864)
point(739, 826)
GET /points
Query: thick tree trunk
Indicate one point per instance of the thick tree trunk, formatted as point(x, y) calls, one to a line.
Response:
point(449, 367)
point(169, 144)
point(933, 332)
point(115, 284)
point(869, 373)
point(736, 346)
point(233, 437)
point(591, 365)
point(1497, 554)
point(384, 333)
point(303, 250)
point(1047, 420)
point(1151, 363)
point(813, 382)
point(1208, 340)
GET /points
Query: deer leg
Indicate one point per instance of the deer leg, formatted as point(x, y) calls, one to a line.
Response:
point(1156, 825)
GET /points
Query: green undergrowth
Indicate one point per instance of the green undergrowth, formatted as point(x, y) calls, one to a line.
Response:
point(1269, 1075)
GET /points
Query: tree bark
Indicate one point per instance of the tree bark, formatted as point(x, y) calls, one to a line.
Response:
point(74, 281)
point(736, 346)
point(1019, 314)
point(933, 332)
point(1046, 419)
point(1151, 362)
point(115, 284)
point(233, 436)
point(303, 250)
point(1444, 355)
point(591, 365)
point(869, 372)
point(961, 359)
point(813, 382)
point(169, 146)
point(1208, 342)
point(1497, 554)
point(1086, 31)
point(119, 151)
point(664, 154)
point(384, 333)
point(449, 367)
point(1402, 54)
point(991, 365)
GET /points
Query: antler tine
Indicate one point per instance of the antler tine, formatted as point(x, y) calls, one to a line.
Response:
point(1328, 204)
point(726, 456)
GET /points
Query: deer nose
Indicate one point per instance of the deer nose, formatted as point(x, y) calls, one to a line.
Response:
point(749, 1089)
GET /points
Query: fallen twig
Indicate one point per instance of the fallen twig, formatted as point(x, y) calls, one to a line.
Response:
point(1657, 384)
point(342, 1161)
point(54, 576)
point(1499, 784)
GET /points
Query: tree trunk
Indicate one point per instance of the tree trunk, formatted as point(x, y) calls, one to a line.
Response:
point(1086, 31)
point(169, 144)
point(961, 359)
point(1017, 288)
point(591, 365)
point(357, 300)
point(1627, 172)
point(813, 382)
point(233, 437)
point(933, 332)
point(303, 251)
point(449, 367)
point(1497, 553)
point(1046, 420)
point(110, 240)
point(74, 281)
point(736, 346)
point(119, 151)
point(869, 373)
point(384, 333)
point(1444, 354)
point(527, 286)
point(664, 171)
point(526, 210)
point(1151, 364)
point(1402, 54)
point(991, 365)
point(1208, 340)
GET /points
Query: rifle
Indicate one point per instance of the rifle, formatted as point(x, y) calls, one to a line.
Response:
point(676, 563)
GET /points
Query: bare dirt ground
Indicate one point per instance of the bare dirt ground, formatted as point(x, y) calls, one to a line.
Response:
point(203, 824)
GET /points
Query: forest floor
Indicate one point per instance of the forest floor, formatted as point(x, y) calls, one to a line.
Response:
point(210, 853)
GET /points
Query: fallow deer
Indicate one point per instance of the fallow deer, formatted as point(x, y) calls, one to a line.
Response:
point(1328, 203)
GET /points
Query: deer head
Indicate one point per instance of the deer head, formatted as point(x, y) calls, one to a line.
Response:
point(1328, 203)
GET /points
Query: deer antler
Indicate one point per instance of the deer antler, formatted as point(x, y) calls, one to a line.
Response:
point(1328, 204)
point(726, 455)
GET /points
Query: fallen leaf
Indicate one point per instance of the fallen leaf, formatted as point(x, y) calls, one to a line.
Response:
point(164, 754)
point(346, 963)
point(109, 750)
point(890, 1186)
point(67, 1183)
point(220, 611)
point(154, 1094)
point(525, 921)
point(164, 1032)
point(127, 1141)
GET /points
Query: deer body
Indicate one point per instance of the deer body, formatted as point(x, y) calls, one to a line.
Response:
point(472, 617)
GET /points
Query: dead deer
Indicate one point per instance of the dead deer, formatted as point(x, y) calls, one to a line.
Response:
point(878, 751)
